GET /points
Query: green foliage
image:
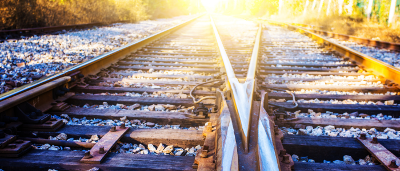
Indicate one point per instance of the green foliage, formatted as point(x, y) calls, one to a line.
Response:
point(170, 8)
point(16, 14)
point(294, 8)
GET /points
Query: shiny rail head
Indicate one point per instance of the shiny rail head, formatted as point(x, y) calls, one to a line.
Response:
point(228, 66)
point(251, 72)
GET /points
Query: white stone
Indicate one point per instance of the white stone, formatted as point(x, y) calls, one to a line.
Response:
point(168, 149)
point(94, 137)
point(160, 148)
point(151, 148)
point(61, 136)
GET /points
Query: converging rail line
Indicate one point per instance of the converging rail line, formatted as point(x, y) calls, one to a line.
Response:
point(195, 97)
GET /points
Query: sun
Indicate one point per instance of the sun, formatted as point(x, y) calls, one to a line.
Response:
point(210, 5)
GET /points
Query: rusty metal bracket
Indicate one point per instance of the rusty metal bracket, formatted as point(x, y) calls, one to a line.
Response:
point(15, 149)
point(7, 139)
point(32, 93)
point(51, 125)
point(384, 156)
point(104, 145)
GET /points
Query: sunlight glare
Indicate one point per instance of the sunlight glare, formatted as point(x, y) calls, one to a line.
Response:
point(210, 5)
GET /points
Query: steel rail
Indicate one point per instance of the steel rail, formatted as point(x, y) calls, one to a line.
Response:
point(377, 66)
point(251, 73)
point(364, 41)
point(242, 96)
point(239, 93)
point(99, 60)
point(266, 149)
point(230, 143)
point(227, 63)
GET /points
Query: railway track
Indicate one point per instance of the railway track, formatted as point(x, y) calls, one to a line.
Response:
point(213, 93)
point(340, 97)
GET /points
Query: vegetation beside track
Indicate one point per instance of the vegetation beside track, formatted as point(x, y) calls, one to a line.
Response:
point(17, 14)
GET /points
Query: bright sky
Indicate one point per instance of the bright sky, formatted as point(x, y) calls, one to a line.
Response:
point(210, 5)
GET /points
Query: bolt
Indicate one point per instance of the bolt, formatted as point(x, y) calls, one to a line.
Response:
point(276, 130)
point(363, 136)
point(101, 150)
point(209, 126)
point(374, 140)
point(393, 164)
point(282, 152)
point(122, 126)
point(286, 159)
point(113, 129)
point(214, 109)
point(204, 152)
point(87, 155)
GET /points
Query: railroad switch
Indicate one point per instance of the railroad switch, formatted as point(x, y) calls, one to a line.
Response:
point(201, 111)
